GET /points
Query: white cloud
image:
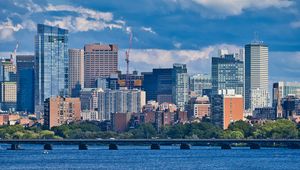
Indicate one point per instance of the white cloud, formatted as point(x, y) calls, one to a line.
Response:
point(7, 30)
point(87, 13)
point(85, 20)
point(223, 8)
point(177, 44)
point(144, 59)
point(295, 24)
point(148, 29)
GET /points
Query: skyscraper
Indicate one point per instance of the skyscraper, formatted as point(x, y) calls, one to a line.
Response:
point(99, 61)
point(76, 71)
point(51, 64)
point(180, 85)
point(227, 73)
point(256, 71)
point(25, 83)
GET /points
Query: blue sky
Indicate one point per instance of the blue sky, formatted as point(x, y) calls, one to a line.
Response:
point(165, 31)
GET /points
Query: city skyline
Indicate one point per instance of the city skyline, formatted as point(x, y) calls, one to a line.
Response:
point(204, 27)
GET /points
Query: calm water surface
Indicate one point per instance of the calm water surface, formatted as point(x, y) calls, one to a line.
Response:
point(141, 157)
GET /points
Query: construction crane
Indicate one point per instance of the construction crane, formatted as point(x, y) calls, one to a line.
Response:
point(127, 62)
point(14, 54)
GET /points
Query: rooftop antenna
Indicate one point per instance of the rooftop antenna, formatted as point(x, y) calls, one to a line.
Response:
point(256, 38)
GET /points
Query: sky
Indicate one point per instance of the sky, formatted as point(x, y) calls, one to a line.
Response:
point(164, 31)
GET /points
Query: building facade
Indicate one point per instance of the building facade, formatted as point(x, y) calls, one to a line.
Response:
point(199, 82)
point(256, 71)
point(25, 83)
point(99, 61)
point(120, 101)
point(8, 96)
point(158, 85)
point(282, 89)
point(60, 110)
point(76, 71)
point(227, 108)
point(227, 73)
point(51, 64)
point(180, 86)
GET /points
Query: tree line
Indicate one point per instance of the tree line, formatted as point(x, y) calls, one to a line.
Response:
point(279, 129)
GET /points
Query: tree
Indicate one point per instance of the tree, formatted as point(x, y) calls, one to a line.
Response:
point(245, 128)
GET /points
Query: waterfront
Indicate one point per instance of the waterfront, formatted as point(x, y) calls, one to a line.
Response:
point(141, 157)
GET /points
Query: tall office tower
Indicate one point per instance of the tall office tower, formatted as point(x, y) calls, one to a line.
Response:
point(199, 82)
point(51, 64)
point(60, 110)
point(282, 89)
point(25, 83)
point(180, 85)
point(227, 73)
point(256, 71)
point(158, 85)
point(99, 61)
point(120, 101)
point(76, 71)
point(227, 107)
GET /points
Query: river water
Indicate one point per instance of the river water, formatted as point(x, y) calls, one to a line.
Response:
point(141, 157)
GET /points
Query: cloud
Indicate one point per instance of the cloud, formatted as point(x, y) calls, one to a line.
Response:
point(177, 44)
point(87, 13)
point(84, 20)
point(148, 29)
point(146, 59)
point(295, 24)
point(223, 8)
point(7, 30)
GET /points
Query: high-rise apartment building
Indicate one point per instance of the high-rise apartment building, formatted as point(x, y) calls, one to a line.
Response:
point(76, 71)
point(99, 61)
point(227, 73)
point(227, 108)
point(120, 101)
point(8, 95)
point(60, 110)
point(8, 92)
point(281, 90)
point(25, 83)
point(51, 64)
point(199, 82)
point(180, 86)
point(256, 71)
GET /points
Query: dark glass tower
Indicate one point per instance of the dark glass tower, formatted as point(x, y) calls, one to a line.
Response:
point(51, 64)
point(25, 83)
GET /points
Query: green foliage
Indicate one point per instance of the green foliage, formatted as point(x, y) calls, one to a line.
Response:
point(282, 128)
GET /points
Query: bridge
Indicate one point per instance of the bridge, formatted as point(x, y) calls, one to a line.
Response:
point(154, 143)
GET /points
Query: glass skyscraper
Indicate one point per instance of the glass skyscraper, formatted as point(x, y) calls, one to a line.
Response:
point(25, 83)
point(227, 73)
point(51, 64)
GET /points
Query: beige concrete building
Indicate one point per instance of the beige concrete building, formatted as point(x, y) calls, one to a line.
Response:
point(76, 71)
point(60, 110)
point(100, 61)
point(8, 95)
